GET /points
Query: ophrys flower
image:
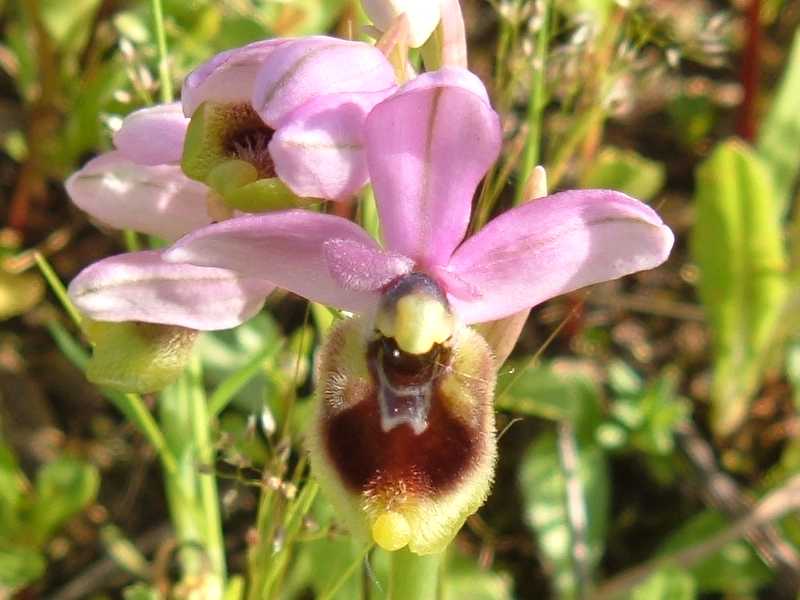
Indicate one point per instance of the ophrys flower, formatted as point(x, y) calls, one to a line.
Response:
point(404, 435)
point(258, 127)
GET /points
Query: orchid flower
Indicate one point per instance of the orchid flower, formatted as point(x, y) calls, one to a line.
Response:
point(253, 122)
point(283, 119)
point(140, 186)
point(403, 439)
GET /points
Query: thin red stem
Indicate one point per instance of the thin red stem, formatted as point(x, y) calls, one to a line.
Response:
point(746, 126)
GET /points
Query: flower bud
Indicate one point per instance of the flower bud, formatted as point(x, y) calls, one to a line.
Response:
point(403, 437)
point(423, 16)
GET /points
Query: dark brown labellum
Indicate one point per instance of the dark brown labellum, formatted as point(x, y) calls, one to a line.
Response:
point(370, 459)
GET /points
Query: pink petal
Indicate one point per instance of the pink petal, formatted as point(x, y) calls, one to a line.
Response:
point(287, 248)
point(319, 151)
point(552, 246)
point(228, 76)
point(157, 200)
point(153, 136)
point(304, 69)
point(140, 286)
point(362, 267)
point(428, 146)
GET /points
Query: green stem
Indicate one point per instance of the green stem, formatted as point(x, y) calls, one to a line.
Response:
point(258, 555)
point(180, 485)
point(131, 239)
point(577, 133)
point(292, 525)
point(209, 496)
point(414, 577)
point(132, 406)
point(503, 91)
point(369, 213)
point(268, 561)
point(536, 103)
point(58, 288)
point(191, 494)
point(161, 40)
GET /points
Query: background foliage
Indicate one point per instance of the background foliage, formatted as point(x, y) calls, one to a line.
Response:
point(650, 434)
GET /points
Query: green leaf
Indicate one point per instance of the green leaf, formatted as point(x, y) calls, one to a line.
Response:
point(543, 490)
point(646, 418)
point(693, 118)
point(793, 371)
point(626, 171)
point(464, 580)
point(666, 584)
point(235, 588)
point(140, 591)
point(90, 95)
point(597, 10)
point(63, 488)
point(68, 23)
point(124, 552)
point(557, 395)
point(777, 138)
point(735, 569)
point(238, 361)
point(12, 487)
point(19, 567)
point(242, 443)
point(302, 17)
point(19, 293)
point(737, 243)
point(131, 25)
point(622, 379)
point(331, 558)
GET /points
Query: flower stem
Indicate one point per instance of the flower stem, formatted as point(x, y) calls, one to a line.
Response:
point(58, 288)
point(161, 39)
point(414, 577)
point(192, 495)
point(209, 497)
point(536, 103)
point(131, 239)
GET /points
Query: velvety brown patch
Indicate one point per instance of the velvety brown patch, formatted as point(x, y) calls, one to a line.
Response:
point(428, 463)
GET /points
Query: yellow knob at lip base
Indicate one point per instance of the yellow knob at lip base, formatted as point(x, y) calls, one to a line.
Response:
point(391, 531)
point(417, 322)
